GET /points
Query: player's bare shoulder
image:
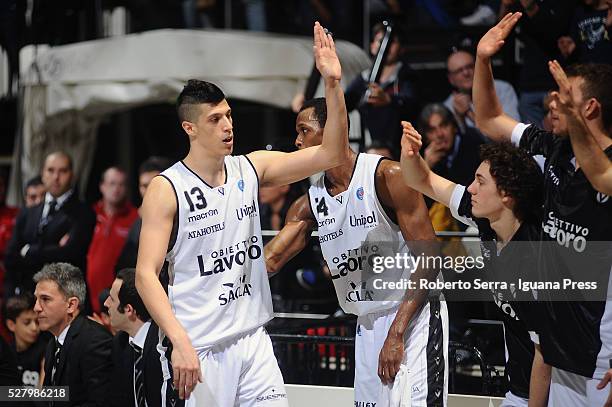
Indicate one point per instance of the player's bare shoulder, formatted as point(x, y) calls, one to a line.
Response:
point(300, 211)
point(390, 185)
point(160, 198)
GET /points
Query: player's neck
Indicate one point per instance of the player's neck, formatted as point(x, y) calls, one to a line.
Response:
point(340, 176)
point(210, 169)
point(134, 327)
point(21, 345)
point(505, 226)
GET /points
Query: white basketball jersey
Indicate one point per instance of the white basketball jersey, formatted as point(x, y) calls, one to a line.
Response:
point(218, 280)
point(353, 230)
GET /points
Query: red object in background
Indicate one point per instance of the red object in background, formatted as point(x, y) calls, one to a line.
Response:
point(106, 245)
point(7, 223)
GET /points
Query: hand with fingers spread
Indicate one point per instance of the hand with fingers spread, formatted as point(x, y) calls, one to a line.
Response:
point(563, 98)
point(390, 357)
point(602, 385)
point(494, 39)
point(326, 58)
point(411, 141)
point(185, 368)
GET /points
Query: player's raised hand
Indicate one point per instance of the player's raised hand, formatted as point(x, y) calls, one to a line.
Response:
point(494, 39)
point(326, 58)
point(411, 141)
point(563, 98)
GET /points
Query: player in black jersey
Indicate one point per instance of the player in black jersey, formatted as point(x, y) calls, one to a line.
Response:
point(504, 203)
point(575, 337)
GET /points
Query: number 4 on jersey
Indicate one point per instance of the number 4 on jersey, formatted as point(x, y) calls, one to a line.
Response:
point(322, 206)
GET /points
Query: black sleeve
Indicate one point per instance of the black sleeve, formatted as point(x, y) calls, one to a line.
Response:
point(81, 233)
point(9, 375)
point(97, 366)
point(537, 141)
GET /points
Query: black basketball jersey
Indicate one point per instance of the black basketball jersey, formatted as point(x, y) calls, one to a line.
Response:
point(577, 335)
point(501, 266)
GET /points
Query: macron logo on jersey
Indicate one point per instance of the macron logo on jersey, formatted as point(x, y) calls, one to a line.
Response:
point(602, 198)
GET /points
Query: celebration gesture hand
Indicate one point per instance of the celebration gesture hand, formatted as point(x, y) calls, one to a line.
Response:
point(564, 99)
point(494, 39)
point(411, 141)
point(326, 58)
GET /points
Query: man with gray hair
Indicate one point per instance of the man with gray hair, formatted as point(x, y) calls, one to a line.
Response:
point(60, 297)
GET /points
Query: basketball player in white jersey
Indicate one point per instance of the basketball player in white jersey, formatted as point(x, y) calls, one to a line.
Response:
point(359, 208)
point(201, 217)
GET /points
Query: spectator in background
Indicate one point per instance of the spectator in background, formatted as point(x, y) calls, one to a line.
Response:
point(590, 37)
point(148, 170)
point(34, 192)
point(59, 229)
point(79, 355)
point(542, 24)
point(7, 223)
point(29, 345)
point(137, 371)
point(449, 152)
point(392, 99)
point(460, 74)
point(115, 216)
point(379, 148)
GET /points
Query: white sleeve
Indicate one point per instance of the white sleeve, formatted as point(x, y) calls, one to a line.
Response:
point(517, 133)
point(455, 201)
point(535, 338)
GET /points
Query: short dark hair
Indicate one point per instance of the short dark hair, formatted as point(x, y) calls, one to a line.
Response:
point(68, 278)
point(435, 108)
point(17, 304)
point(129, 295)
point(320, 109)
point(154, 163)
point(195, 93)
point(597, 84)
point(517, 174)
point(34, 182)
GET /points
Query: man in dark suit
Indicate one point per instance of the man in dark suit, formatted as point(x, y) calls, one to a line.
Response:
point(79, 355)
point(57, 230)
point(137, 371)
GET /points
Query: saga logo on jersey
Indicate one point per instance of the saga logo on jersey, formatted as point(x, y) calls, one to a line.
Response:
point(353, 260)
point(365, 221)
point(358, 292)
point(237, 254)
point(249, 211)
point(235, 291)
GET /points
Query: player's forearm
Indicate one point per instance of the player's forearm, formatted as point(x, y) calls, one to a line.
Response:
point(591, 158)
point(415, 173)
point(539, 381)
point(487, 107)
point(335, 134)
point(155, 299)
point(287, 244)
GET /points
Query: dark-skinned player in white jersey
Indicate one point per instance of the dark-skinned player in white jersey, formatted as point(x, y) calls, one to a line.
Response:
point(356, 207)
point(576, 336)
point(201, 217)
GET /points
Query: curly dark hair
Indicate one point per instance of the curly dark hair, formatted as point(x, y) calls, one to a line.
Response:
point(517, 174)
